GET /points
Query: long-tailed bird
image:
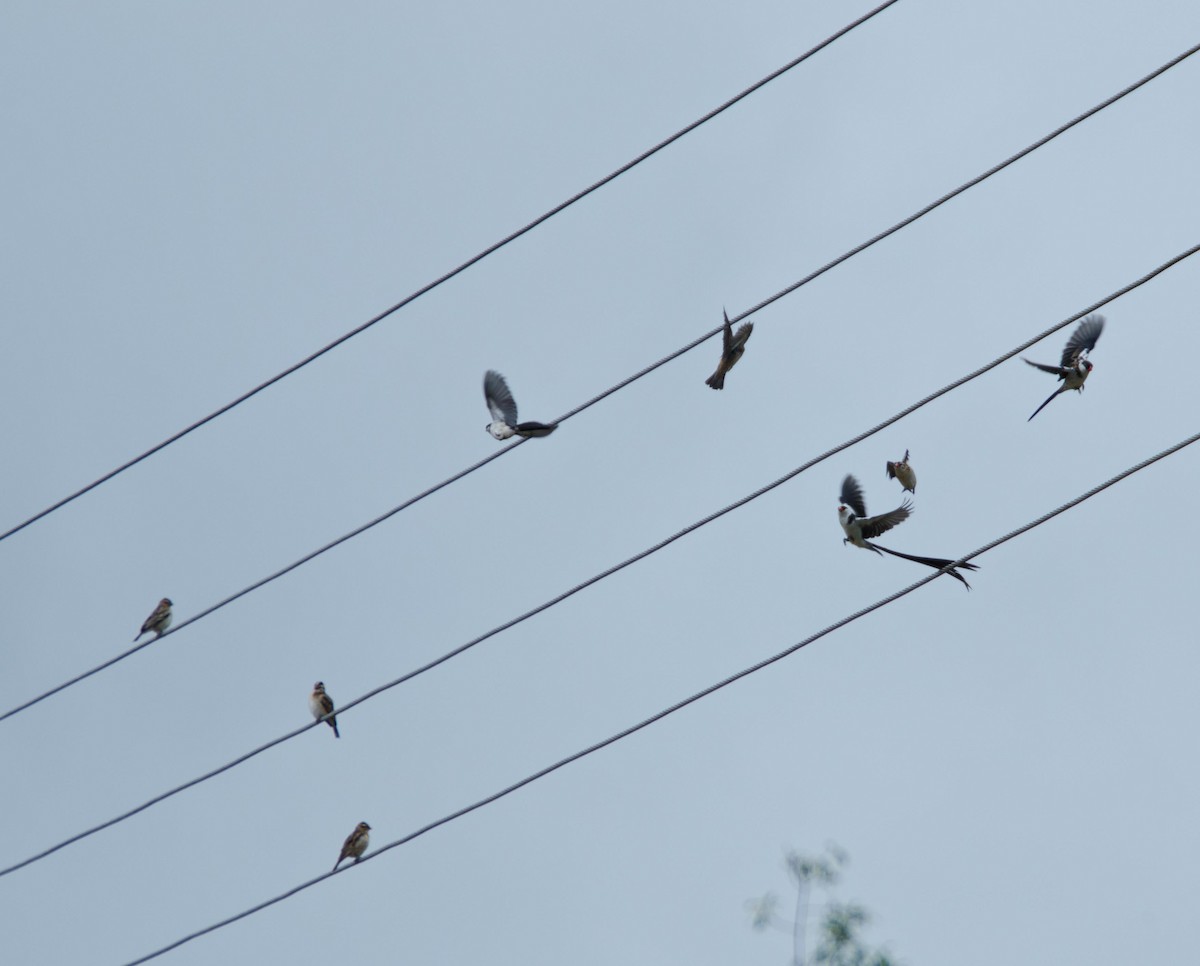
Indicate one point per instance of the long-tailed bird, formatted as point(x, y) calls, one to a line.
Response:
point(503, 408)
point(321, 706)
point(158, 621)
point(904, 473)
point(355, 845)
point(1073, 369)
point(860, 528)
point(733, 344)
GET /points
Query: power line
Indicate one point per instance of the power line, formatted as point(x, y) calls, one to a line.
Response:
point(261, 583)
point(546, 605)
point(420, 496)
point(640, 373)
point(659, 716)
point(491, 249)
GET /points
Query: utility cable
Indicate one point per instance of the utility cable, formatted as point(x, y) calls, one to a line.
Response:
point(343, 708)
point(455, 271)
point(659, 716)
point(647, 370)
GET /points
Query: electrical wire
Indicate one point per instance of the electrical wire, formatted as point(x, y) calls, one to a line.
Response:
point(639, 374)
point(546, 605)
point(491, 249)
point(679, 705)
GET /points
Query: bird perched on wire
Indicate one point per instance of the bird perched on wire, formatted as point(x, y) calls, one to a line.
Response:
point(321, 706)
point(158, 621)
point(1073, 369)
point(733, 345)
point(503, 408)
point(904, 473)
point(860, 528)
point(355, 845)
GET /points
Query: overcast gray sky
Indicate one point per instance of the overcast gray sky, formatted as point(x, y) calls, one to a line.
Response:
point(196, 196)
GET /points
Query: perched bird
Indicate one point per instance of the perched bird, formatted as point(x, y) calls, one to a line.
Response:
point(1073, 369)
point(504, 411)
point(355, 845)
point(904, 473)
point(321, 706)
point(860, 528)
point(733, 344)
point(158, 622)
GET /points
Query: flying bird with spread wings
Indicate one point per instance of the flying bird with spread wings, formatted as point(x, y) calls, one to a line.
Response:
point(901, 471)
point(860, 529)
point(503, 408)
point(1073, 369)
point(733, 345)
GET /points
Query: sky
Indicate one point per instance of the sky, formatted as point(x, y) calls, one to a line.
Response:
point(198, 196)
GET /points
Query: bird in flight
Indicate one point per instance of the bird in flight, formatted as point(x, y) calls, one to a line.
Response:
point(904, 473)
point(503, 408)
point(158, 621)
point(860, 528)
point(355, 845)
point(321, 706)
point(1073, 369)
point(733, 345)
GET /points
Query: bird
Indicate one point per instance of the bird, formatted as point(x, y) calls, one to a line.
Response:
point(321, 706)
point(1073, 369)
point(355, 845)
point(733, 345)
point(158, 621)
point(903, 472)
point(860, 528)
point(503, 408)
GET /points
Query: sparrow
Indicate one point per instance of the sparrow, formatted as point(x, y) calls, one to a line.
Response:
point(355, 845)
point(860, 528)
point(904, 473)
point(158, 622)
point(732, 346)
point(1073, 369)
point(321, 706)
point(504, 411)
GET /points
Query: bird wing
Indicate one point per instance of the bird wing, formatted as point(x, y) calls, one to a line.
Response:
point(874, 526)
point(726, 335)
point(500, 402)
point(1053, 370)
point(1083, 340)
point(852, 496)
point(741, 335)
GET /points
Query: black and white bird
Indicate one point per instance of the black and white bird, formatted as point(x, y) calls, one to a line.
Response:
point(158, 621)
point(901, 471)
point(355, 845)
point(503, 408)
point(321, 706)
point(1073, 369)
point(860, 528)
point(733, 345)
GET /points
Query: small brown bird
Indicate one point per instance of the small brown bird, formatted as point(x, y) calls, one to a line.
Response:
point(159, 621)
point(733, 344)
point(321, 706)
point(904, 473)
point(355, 845)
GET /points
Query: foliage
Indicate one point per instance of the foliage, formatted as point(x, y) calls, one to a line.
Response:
point(839, 928)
